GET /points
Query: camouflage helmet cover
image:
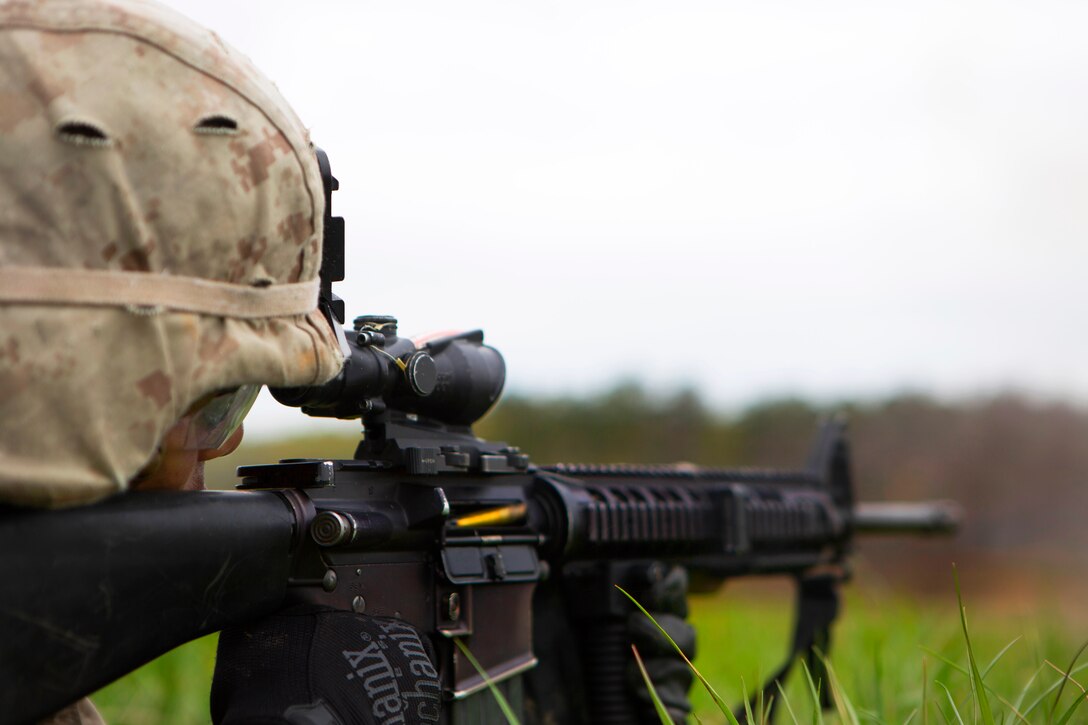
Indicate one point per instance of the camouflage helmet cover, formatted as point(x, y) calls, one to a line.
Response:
point(160, 238)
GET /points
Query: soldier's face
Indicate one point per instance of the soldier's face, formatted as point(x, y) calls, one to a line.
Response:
point(179, 467)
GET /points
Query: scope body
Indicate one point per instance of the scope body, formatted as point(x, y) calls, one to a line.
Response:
point(453, 379)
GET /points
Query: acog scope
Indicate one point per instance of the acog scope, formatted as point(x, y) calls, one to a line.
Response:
point(452, 379)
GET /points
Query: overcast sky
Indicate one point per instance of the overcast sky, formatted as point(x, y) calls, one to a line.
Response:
point(830, 199)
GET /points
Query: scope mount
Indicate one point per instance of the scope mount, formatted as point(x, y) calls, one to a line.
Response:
point(423, 447)
point(415, 443)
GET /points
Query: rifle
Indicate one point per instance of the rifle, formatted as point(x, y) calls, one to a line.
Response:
point(426, 523)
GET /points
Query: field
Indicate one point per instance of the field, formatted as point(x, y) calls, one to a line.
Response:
point(890, 653)
point(897, 659)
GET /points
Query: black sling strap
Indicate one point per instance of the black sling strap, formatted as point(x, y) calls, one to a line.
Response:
point(817, 607)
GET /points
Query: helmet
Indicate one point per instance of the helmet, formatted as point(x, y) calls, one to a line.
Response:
point(160, 240)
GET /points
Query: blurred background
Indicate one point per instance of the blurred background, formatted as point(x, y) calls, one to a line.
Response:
point(695, 228)
point(834, 200)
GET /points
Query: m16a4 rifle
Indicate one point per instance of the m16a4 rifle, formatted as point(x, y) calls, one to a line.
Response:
point(426, 523)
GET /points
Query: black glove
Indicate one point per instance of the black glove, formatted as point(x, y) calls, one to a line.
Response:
point(318, 666)
point(666, 599)
point(586, 672)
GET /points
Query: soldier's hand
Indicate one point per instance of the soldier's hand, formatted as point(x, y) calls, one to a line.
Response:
point(312, 665)
point(666, 600)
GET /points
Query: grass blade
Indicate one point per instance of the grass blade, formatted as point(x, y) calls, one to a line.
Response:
point(1073, 708)
point(965, 673)
point(997, 658)
point(944, 717)
point(762, 707)
point(729, 716)
point(949, 664)
point(747, 704)
point(511, 718)
point(925, 691)
point(1054, 686)
point(879, 705)
point(814, 690)
point(952, 702)
point(1024, 691)
point(786, 701)
point(845, 708)
point(1065, 678)
point(977, 686)
point(662, 712)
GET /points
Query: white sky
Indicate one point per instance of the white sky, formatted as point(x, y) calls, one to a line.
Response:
point(756, 198)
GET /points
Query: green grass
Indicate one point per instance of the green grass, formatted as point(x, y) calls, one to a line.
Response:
point(504, 706)
point(892, 660)
point(172, 690)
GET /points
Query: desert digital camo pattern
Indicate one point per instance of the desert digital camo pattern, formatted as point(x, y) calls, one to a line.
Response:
point(132, 139)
